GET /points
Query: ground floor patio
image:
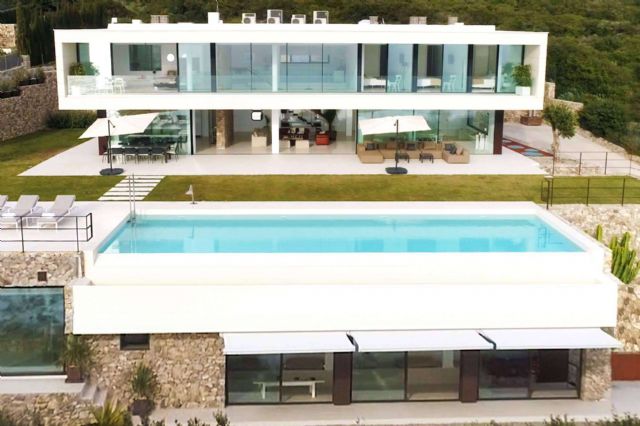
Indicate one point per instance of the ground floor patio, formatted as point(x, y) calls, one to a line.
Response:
point(83, 160)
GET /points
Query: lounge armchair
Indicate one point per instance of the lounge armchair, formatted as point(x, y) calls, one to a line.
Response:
point(460, 156)
point(60, 209)
point(432, 148)
point(24, 206)
point(369, 156)
point(3, 202)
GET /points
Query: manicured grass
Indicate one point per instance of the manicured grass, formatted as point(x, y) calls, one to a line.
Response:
point(382, 188)
point(19, 154)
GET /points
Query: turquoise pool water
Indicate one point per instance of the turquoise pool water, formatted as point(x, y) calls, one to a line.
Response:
point(337, 234)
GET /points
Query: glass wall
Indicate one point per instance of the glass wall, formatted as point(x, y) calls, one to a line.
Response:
point(142, 68)
point(473, 130)
point(83, 53)
point(261, 67)
point(433, 375)
point(253, 379)
point(504, 374)
point(400, 68)
point(171, 129)
point(483, 78)
point(374, 67)
point(509, 57)
point(378, 376)
point(31, 330)
point(307, 378)
point(454, 68)
point(556, 373)
point(339, 67)
point(303, 68)
point(195, 67)
point(429, 68)
point(233, 67)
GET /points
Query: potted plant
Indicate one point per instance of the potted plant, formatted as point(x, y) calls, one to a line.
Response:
point(523, 80)
point(76, 357)
point(110, 414)
point(144, 384)
point(330, 116)
point(531, 119)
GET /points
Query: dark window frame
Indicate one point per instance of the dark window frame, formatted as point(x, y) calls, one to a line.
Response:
point(141, 342)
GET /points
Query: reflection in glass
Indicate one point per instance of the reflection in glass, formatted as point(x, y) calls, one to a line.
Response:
point(472, 130)
point(307, 377)
point(429, 68)
point(484, 69)
point(508, 58)
point(556, 373)
point(454, 68)
point(141, 68)
point(504, 374)
point(261, 66)
point(433, 375)
point(31, 330)
point(170, 130)
point(233, 67)
point(339, 68)
point(195, 67)
point(374, 68)
point(83, 53)
point(253, 379)
point(303, 64)
point(400, 68)
point(378, 376)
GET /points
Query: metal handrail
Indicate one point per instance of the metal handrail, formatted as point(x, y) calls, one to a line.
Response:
point(585, 162)
point(587, 193)
point(82, 231)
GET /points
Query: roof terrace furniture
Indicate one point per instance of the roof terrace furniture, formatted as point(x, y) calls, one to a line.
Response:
point(368, 153)
point(3, 201)
point(24, 206)
point(459, 156)
point(61, 208)
point(433, 148)
point(260, 138)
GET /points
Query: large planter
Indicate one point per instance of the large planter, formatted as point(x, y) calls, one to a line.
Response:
point(322, 139)
point(531, 120)
point(74, 374)
point(523, 91)
point(141, 407)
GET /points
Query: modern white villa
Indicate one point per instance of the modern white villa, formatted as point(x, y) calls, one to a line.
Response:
point(302, 88)
point(235, 304)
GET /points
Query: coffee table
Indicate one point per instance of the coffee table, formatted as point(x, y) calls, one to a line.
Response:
point(426, 156)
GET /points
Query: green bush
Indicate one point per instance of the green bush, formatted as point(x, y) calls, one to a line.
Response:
point(605, 117)
point(83, 68)
point(111, 415)
point(71, 119)
point(38, 74)
point(7, 84)
point(144, 382)
point(626, 420)
point(20, 76)
point(560, 421)
point(522, 75)
point(6, 420)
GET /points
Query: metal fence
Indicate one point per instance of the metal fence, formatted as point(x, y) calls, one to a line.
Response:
point(10, 61)
point(594, 163)
point(590, 191)
point(48, 229)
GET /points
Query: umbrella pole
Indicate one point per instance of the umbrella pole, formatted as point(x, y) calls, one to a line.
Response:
point(397, 170)
point(110, 171)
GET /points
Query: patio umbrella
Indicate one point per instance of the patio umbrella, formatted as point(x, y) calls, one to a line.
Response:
point(397, 124)
point(125, 125)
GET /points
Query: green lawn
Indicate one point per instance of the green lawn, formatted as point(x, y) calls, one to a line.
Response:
point(19, 154)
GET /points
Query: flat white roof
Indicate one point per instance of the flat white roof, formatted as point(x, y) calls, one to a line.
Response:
point(419, 340)
point(558, 338)
point(284, 343)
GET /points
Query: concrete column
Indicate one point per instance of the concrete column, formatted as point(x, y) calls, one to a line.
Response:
point(275, 131)
point(224, 128)
point(102, 140)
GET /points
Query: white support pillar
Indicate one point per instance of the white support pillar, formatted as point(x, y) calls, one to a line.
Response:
point(275, 131)
point(349, 122)
point(275, 66)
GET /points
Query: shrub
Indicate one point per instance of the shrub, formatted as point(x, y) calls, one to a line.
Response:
point(6, 420)
point(111, 415)
point(522, 75)
point(7, 85)
point(38, 74)
point(83, 68)
point(71, 119)
point(144, 382)
point(626, 420)
point(76, 352)
point(605, 117)
point(20, 76)
point(624, 260)
point(560, 421)
point(221, 419)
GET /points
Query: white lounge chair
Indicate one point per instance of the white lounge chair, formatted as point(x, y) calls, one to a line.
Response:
point(24, 206)
point(60, 209)
point(3, 202)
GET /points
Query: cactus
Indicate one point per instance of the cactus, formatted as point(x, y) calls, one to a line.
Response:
point(624, 260)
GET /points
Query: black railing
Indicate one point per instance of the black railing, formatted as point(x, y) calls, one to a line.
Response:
point(594, 163)
point(48, 229)
point(590, 191)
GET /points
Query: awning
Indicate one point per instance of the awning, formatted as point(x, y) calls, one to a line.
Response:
point(419, 340)
point(382, 125)
point(551, 338)
point(125, 125)
point(285, 343)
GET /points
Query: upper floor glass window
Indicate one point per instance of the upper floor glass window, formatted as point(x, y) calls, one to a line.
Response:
point(400, 68)
point(454, 68)
point(429, 68)
point(508, 58)
point(141, 68)
point(233, 67)
point(339, 67)
point(374, 67)
point(303, 68)
point(195, 67)
point(483, 75)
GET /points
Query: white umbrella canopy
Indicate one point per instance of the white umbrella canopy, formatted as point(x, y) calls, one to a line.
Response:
point(382, 125)
point(125, 125)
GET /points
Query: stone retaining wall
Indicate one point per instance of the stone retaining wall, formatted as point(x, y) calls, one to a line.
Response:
point(50, 409)
point(29, 112)
point(190, 369)
point(7, 36)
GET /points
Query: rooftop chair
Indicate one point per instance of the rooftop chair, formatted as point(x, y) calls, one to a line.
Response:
point(60, 209)
point(24, 206)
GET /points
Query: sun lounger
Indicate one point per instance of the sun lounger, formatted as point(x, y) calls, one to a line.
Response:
point(24, 206)
point(3, 202)
point(60, 209)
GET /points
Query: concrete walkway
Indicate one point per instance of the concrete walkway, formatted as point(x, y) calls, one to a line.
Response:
point(82, 160)
point(624, 399)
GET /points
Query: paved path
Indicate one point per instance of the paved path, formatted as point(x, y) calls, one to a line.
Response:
point(141, 186)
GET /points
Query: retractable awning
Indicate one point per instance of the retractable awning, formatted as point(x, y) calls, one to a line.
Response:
point(551, 338)
point(125, 125)
point(419, 340)
point(283, 343)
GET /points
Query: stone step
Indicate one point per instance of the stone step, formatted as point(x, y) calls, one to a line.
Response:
point(140, 191)
point(118, 198)
point(100, 397)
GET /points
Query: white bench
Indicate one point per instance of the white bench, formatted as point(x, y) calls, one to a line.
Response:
point(311, 384)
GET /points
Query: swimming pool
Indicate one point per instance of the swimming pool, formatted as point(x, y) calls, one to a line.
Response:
point(364, 233)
